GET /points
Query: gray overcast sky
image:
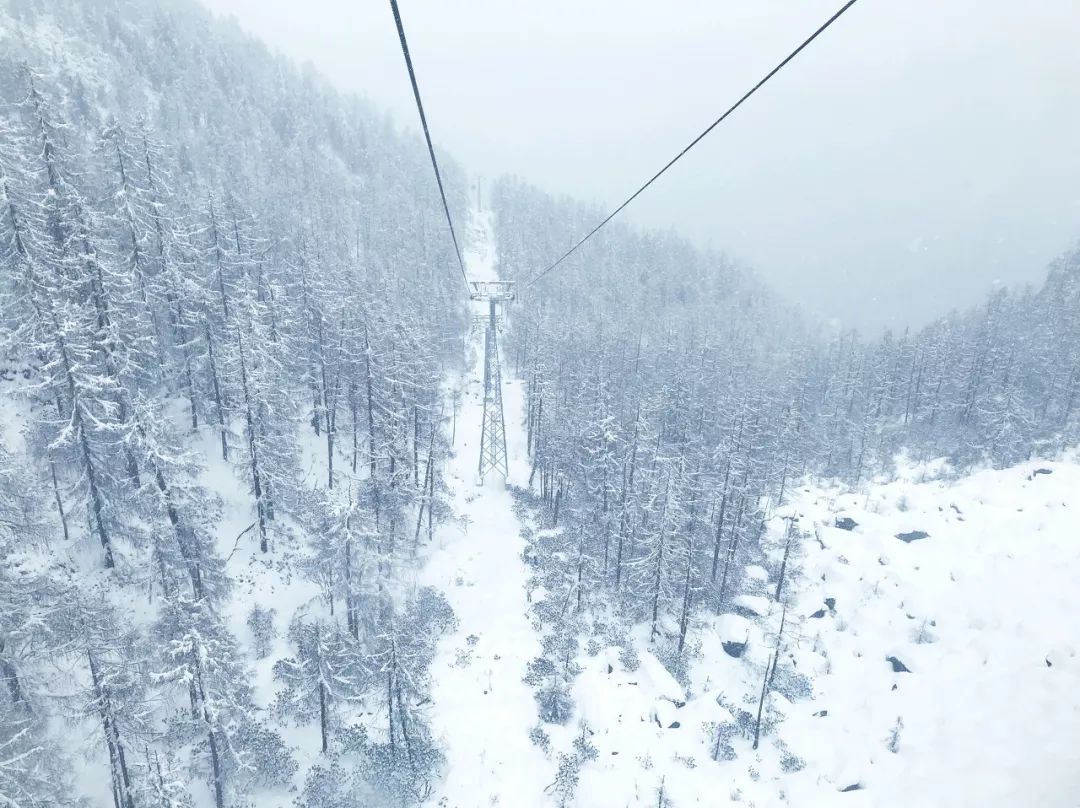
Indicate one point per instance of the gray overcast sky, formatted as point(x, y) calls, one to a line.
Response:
point(919, 152)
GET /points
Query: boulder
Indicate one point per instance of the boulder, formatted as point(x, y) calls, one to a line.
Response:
point(912, 535)
point(734, 631)
point(897, 665)
point(734, 648)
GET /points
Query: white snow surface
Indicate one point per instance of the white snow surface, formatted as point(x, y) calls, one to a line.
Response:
point(482, 709)
point(982, 612)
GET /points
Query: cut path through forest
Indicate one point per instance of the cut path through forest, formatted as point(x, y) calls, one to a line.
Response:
point(483, 710)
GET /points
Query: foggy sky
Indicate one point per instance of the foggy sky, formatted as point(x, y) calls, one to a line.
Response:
point(915, 155)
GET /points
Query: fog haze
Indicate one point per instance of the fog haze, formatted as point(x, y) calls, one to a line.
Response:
point(914, 156)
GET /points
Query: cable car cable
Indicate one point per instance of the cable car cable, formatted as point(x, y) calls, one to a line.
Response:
point(427, 137)
point(695, 141)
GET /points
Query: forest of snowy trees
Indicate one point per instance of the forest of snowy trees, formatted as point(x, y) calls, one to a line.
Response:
point(674, 403)
point(224, 286)
point(209, 263)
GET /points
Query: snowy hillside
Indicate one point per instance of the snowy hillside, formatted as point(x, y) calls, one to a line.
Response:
point(978, 611)
point(940, 669)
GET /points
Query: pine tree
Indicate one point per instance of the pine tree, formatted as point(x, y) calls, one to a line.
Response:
point(329, 667)
point(231, 746)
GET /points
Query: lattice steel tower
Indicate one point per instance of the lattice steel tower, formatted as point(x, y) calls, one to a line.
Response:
point(493, 431)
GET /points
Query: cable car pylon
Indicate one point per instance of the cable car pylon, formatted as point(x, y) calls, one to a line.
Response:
point(493, 429)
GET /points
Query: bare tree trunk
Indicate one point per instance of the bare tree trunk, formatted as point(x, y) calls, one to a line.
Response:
point(766, 684)
point(352, 414)
point(181, 532)
point(218, 401)
point(352, 621)
point(657, 575)
point(720, 520)
point(97, 501)
point(733, 545)
point(374, 480)
point(215, 764)
point(684, 618)
point(761, 700)
point(416, 447)
point(117, 759)
point(199, 707)
point(256, 477)
point(425, 497)
point(787, 552)
point(219, 266)
point(323, 726)
point(59, 500)
point(11, 677)
point(628, 484)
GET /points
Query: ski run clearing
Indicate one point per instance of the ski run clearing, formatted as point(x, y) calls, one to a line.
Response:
point(483, 708)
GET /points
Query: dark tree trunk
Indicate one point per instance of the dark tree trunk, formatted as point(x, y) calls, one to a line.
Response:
point(323, 726)
point(117, 759)
point(11, 677)
point(720, 520)
point(59, 500)
point(256, 477)
point(218, 401)
point(97, 501)
point(783, 564)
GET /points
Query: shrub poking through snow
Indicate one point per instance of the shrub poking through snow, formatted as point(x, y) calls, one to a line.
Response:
point(893, 743)
point(261, 624)
point(566, 780)
point(540, 738)
point(790, 762)
point(628, 657)
point(552, 691)
point(721, 734)
point(583, 744)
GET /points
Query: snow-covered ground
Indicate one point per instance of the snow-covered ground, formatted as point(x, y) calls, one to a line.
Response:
point(980, 612)
point(482, 709)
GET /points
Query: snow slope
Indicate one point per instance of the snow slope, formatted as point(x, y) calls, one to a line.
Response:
point(482, 709)
point(980, 612)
